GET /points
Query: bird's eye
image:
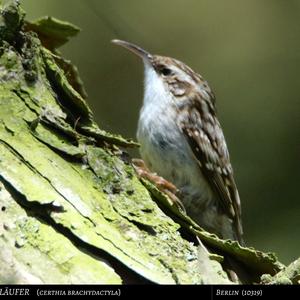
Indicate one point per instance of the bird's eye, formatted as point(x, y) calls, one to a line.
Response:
point(165, 71)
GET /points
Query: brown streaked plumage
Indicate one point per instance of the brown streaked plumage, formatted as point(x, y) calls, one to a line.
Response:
point(182, 140)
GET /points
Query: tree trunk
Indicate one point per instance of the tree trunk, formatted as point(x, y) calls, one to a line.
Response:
point(72, 209)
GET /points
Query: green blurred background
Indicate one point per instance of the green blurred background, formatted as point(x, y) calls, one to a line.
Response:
point(249, 51)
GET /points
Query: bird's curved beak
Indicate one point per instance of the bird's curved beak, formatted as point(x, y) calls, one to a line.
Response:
point(134, 48)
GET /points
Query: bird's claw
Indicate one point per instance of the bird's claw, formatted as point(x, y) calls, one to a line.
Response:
point(162, 184)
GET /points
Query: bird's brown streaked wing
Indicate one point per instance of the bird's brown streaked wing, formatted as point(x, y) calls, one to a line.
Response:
point(204, 134)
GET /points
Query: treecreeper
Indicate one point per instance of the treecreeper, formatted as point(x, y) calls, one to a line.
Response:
point(182, 140)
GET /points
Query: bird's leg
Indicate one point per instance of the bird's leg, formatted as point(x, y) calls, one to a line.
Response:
point(162, 184)
point(144, 172)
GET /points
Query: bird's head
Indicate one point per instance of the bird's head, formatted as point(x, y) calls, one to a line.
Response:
point(175, 75)
point(168, 75)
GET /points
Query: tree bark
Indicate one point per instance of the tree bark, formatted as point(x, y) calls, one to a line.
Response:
point(72, 209)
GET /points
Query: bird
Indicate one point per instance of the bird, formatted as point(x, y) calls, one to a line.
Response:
point(183, 142)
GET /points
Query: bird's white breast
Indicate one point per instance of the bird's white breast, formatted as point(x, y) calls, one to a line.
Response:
point(163, 146)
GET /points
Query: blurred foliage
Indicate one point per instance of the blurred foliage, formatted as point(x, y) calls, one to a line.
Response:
point(249, 53)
